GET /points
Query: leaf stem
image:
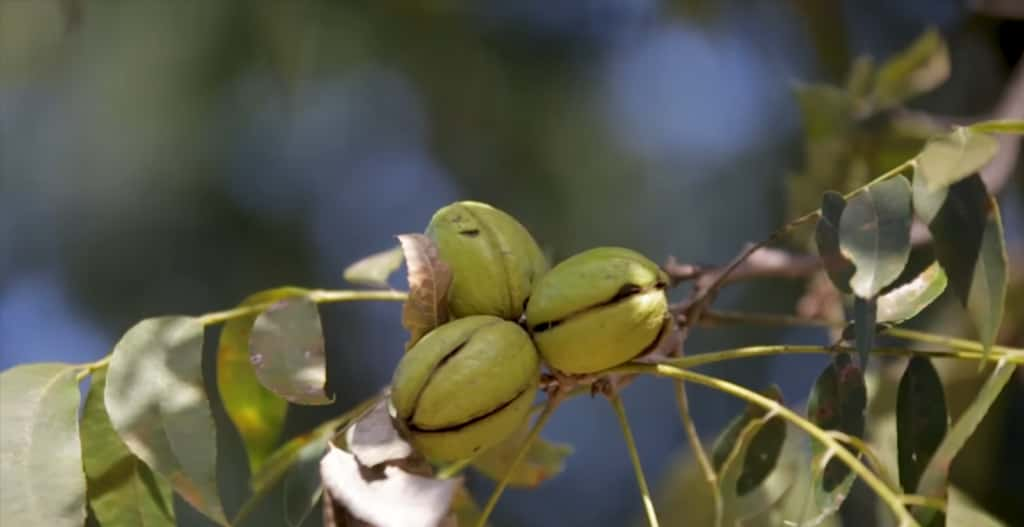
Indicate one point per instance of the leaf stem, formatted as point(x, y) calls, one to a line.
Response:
point(924, 501)
point(453, 469)
point(682, 401)
point(538, 425)
point(957, 343)
point(320, 296)
point(870, 478)
point(702, 359)
point(869, 453)
point(634, 457)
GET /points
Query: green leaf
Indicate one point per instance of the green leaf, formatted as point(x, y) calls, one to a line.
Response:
point(906, 301)
point(874, 232)
point(918, 69)
point(921, 419)
point(465, 509)
point(748, 452)
point(837, 402)
point(1000, 126)
point(826, 111)
point(157, 402)
point(286, 348)
point(122, 490)
point(544, 459)
point(936, 473)
point(865, 313)
point(968, 235)
point(949, 158)
point(962, 510)
point(41, 482)
point(374, 270)
point(826, 236)
point(862, 73)
point(302, 487)
point(257, 412)
point(429, 280)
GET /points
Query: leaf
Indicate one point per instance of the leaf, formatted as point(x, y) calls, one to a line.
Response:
point(837, 402)
point(388, 496)
point(865, 313)
point(906, 301)
point(968, 236)
point(157, 403)
point(918, 69)
point(1000, 126)
point(962, 510)
point(921, 419)
point(286, 348)
point(41, 482)
point(465, 510)
point(936, 473)
point(429, 280)
point(748, 452)
point(302, 486)
point(826, 236)
point(257, 412)
point(374, 270)
point(874, 232)
point(122, 490)
point(544, 459)
point(949, 158)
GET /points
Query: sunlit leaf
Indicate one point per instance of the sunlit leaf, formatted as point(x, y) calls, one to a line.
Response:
point(967, 231)
point(1000, 126)
point(375, 269)
point(865, 313)
point(826, 236)
point(286, 348)
point(949, 158)
point(918, 69)
point(747, 454)
point(429, 280)
point(921, 419)
point(906, 301)
point(962, 510)
point(387, 496)
point(257, 412)
point(936, 473)
point(544, 459)
point(837, 402)
point(41, 479)
point(874, 233)
point(122, 490)
point(157, 403)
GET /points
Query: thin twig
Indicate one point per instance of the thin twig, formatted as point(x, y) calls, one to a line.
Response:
point(634, 457)
point(698, 450)
point(870, 478)
point(865, 449)
point(693, 361)
point(538, 425)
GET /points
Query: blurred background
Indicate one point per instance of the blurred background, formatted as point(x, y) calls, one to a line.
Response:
point(163, 156)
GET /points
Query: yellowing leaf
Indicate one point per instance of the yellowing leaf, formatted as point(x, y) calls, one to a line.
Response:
point(919, 68)
point(257, 412)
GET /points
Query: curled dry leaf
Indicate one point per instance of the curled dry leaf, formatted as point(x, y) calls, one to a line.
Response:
point(386, 496)
point(429, 280)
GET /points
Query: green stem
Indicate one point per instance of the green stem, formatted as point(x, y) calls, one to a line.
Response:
point(682, 401)
point(538, 425)
point(634, 457)
point(702, 359)
point(877, 485)
point(320, 296)
point(453, 469)
point(954, 343)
